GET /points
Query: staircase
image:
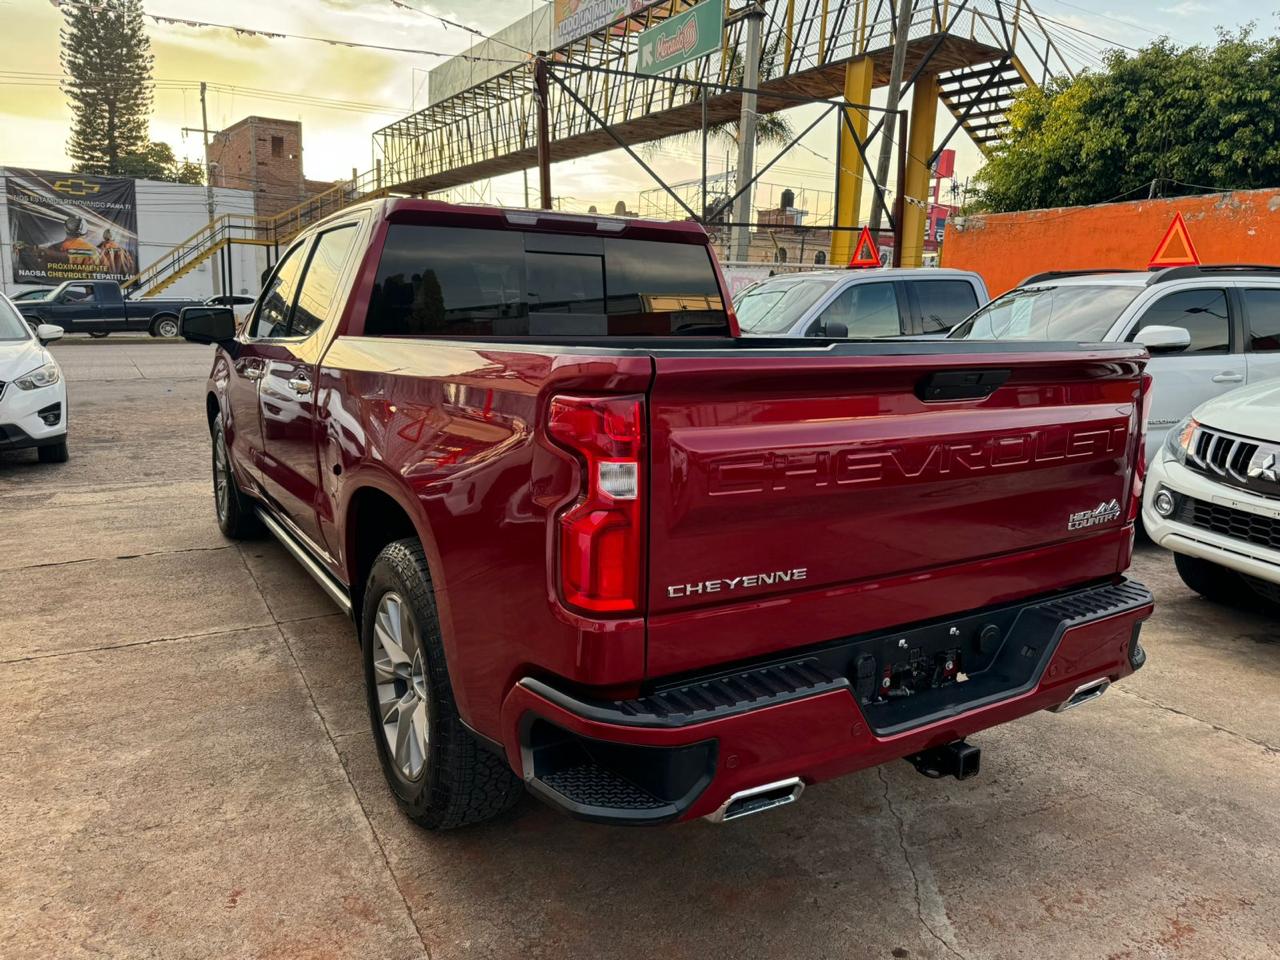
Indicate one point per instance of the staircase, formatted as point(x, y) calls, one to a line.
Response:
point(980, 97)
point(240, 228)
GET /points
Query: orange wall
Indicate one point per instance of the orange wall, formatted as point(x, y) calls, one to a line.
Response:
point(1005, 248)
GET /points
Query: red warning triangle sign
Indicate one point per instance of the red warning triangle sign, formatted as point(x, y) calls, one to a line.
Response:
point(865, 253)
point(1176, 249)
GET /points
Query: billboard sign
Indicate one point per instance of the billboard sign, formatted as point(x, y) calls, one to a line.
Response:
point(687, 36)
point(71, 226)
point(574, 19)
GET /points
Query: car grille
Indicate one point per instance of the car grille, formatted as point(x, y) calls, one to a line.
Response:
point(1229, 522)
point(1226, 458)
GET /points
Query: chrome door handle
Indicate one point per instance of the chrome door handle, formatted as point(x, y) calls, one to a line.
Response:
point(1228, 377)
point(300, 385)
point(252, 373)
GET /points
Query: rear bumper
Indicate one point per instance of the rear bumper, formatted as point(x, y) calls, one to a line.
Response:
point(684, 749)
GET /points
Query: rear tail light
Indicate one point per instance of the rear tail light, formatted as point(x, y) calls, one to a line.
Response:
point(601, 536)
point(1140, 456)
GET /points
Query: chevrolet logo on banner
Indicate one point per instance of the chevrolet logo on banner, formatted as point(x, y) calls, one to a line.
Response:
point(76, 187)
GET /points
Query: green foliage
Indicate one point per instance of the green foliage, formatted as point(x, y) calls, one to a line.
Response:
point(157, 162)
point(1192, 119)
point(107, 59)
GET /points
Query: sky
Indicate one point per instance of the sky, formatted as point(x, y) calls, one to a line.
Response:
point(342, 95)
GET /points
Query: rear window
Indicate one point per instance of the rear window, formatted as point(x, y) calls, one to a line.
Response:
point(468, 282)
point(944, 303)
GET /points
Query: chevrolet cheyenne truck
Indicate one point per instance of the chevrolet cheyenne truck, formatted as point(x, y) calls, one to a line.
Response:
point(99, 308)
point(597, 546)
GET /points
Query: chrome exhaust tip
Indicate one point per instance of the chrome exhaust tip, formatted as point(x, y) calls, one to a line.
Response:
point(758, 799)
point(1083, 694)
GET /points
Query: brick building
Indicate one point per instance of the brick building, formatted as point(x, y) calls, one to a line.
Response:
point(264, 155)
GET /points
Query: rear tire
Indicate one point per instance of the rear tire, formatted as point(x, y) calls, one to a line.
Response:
point(165, 326)
point(1214, 582)
point(236, 516)
point(54, 453)
point(439, 773)
point(99, 334)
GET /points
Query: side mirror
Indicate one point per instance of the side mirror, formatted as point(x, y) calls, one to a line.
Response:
point(835, 330)
point(1160, 339)
point(47, 332)
point(207, 324)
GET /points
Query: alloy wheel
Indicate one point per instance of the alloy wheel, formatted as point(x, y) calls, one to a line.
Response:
point(400, 678)
point(167, 328)
point(221, 477)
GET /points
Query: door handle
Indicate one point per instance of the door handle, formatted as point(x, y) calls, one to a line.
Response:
point(252, 372)
point(1228, 376)
point(300, 385)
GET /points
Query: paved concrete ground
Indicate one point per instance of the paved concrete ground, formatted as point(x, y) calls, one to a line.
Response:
point(186, 770)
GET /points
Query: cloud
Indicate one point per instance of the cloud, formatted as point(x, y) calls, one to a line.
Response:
point(1187, 8)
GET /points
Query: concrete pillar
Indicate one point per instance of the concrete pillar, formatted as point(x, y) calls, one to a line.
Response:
point(924, 115)
point(858, 78)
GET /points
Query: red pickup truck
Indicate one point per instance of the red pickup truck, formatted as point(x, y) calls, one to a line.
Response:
point(597, 546)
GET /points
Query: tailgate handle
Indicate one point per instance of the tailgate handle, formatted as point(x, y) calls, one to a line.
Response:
point(961, 385)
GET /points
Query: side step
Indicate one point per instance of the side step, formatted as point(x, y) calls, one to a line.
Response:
point(336, 591)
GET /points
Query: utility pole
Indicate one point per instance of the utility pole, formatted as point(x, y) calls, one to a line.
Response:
point(905, 8)
point(209, 199)
point(541, 94)
point(747, 132)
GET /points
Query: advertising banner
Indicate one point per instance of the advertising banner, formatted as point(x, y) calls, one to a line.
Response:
point(577, 18)
point(687, 36)
point(71, 226)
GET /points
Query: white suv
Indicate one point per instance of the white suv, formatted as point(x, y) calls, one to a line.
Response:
point(33, 395)
point(1213, 496)
point(1209, 329)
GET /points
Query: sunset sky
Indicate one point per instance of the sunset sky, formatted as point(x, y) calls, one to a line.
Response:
point(376, 87)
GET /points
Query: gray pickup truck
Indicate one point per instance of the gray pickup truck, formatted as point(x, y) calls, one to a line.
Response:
point(99, 308)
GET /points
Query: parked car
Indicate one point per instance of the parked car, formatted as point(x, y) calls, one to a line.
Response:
point(595, 543)
point(859, 303)
point(33, 395)
point(1209, 329)
point(98, 308)
point(1213, 496)
point(35, 293)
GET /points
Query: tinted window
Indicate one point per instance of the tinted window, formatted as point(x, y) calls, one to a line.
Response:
point(1263, 307)
point(79, 293)
point(1203, 313)
point(1077, 312)
point(944, 303)
point(868, 309)
point(452, 281)
point(273, 311)
point(320, 285)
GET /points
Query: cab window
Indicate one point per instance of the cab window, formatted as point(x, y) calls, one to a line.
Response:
point(272, 319)
point(1263, 308)
point(1202, 313)
point(867, 309)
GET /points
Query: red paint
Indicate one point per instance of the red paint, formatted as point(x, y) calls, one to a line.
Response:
point(1176, 248)
point(750, 464)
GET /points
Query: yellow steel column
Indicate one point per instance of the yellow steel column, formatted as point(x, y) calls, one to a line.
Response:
point(924, 114)
point(858, 78)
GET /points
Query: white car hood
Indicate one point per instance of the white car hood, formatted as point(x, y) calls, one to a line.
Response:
point(1252, 411)
point(20, 357)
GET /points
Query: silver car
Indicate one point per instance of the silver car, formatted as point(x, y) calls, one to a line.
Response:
point(859, 303)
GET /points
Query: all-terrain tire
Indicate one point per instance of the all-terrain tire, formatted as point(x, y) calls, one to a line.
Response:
point(1214, 582)
point(236, 516)
point(461, 781)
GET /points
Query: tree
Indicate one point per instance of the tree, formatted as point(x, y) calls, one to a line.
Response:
point(1171, 120)
point(157, 162)
point(107, 59)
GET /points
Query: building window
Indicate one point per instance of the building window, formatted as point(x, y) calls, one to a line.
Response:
point(277, 146)
point(820, 257)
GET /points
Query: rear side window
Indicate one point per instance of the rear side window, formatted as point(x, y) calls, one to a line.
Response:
point(468, 282)
point(1263, 308)
point(320, 285)
point(944, 303)
point(1203, 313)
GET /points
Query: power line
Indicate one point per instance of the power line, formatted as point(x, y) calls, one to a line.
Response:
point(461, 26)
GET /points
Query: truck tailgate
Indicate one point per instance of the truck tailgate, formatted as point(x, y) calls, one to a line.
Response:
point(801, 496)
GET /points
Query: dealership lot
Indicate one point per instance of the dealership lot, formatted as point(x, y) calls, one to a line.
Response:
point(188, 770)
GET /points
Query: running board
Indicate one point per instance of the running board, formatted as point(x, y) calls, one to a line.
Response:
point(336, 591)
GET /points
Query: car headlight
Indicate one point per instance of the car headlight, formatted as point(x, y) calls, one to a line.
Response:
point(1180, 438)
point(45, 376)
